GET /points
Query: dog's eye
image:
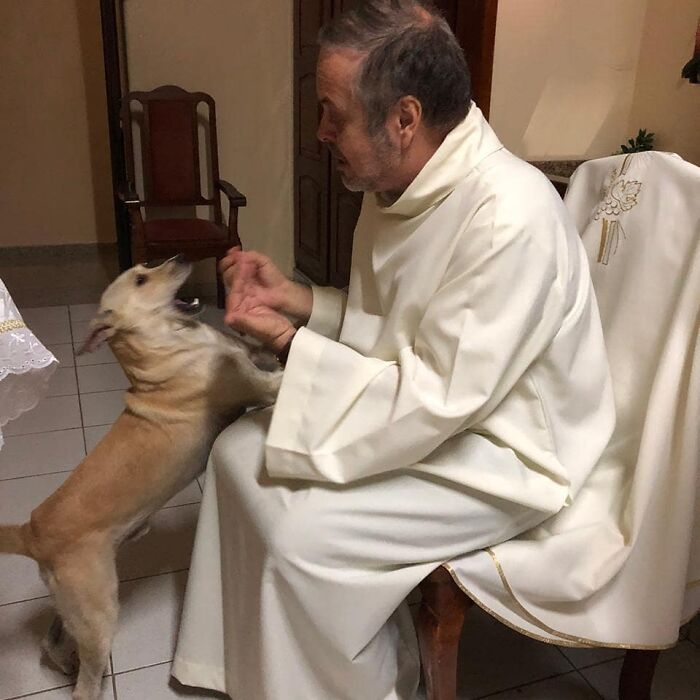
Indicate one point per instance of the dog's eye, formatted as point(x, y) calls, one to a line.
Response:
point(141, 279)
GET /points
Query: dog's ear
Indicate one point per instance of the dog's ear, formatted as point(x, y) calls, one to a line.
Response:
point(100, 329)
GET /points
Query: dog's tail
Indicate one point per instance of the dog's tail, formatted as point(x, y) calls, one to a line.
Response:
point(13, 540)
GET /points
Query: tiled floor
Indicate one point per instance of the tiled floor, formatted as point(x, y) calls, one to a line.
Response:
point(44, 445)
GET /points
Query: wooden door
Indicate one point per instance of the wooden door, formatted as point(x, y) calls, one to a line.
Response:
point(474, 25)
point(312, 160)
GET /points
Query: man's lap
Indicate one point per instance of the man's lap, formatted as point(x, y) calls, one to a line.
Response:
point(406, 516)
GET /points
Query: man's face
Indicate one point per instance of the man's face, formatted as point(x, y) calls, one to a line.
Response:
point(365, 163)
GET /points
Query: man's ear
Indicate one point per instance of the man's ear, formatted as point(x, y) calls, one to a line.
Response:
point(410, 114)
point(100, 329)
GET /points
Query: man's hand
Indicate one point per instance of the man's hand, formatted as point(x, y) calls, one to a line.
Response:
point(259, 296)
point(254, 276)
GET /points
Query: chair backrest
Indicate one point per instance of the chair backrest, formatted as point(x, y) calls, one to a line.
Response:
point(170, 147)
point(639, 217)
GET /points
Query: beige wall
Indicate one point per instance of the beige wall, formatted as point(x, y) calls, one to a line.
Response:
point(240, 53)
point(564, 75)
point(576, 79)
point(663, 102)
point(55, 182)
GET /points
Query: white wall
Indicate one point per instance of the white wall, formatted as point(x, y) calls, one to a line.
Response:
point(240, 52)
point(663, 102)
point(564, 75)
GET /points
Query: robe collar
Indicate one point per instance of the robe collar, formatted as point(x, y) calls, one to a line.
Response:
point(461, 151)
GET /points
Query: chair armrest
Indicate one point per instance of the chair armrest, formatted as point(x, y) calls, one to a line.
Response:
point(235, 198)
point(127, 193)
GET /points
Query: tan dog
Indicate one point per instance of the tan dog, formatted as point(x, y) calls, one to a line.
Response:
point(188, 381)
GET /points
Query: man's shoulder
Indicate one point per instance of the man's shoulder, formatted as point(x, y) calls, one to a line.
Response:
point(508, 177)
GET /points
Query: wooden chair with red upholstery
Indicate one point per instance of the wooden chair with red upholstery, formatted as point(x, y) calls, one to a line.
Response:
point(172, 179)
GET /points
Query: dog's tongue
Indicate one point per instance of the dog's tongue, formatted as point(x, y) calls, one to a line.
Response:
point(188, 306)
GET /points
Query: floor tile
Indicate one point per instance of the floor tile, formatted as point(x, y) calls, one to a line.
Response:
point(19, 576)
point(103, 355)
point(83, 312)
point(568, 687)
point(63, 382)
point(94, 434)
point(102, 408)
point(39, 315)
point(694, 630)
point(190, 494)
point(53, 413)
point(605, 678)
point(79, 329)
point(50, 327)
point(148, 622)
point(65, 693)
point(43, 453)
point(581, 658)
point(493, 657)
point(63, 352)
point(94, 378)
point(22, 669)
point(677, 675)
point(155, 683)
point(166, 547)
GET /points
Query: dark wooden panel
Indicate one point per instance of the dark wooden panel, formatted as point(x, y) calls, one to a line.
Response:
point(342, 5)
point(311, 14)
point(311, 160)
point(345, 209)
point(476, 31)
point(310, 216)
point(309, 146)
point(449, 11)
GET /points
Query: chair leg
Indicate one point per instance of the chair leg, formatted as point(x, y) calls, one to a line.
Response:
point(637, 674)
point(439, 628)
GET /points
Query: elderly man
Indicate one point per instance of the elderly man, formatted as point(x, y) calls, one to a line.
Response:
point(458, 397)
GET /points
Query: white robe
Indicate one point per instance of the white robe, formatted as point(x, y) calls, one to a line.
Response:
point(465, 376)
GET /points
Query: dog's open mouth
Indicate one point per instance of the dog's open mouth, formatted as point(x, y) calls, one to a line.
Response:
point(189, 307)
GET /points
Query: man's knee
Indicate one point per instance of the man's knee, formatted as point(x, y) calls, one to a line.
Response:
point(298, 541)
point(238, 452)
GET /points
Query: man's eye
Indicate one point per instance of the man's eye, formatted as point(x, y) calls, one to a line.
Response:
point(141, 279)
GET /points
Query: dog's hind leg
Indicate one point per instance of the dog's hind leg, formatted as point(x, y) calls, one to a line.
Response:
point(85, 589)
point(60, 647)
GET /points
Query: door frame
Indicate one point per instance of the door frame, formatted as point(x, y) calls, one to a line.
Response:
point(116, 84)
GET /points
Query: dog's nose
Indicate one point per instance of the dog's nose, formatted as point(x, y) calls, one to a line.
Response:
point(180, 259)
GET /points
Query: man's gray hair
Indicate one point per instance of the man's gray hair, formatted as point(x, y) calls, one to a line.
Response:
point(411, 50)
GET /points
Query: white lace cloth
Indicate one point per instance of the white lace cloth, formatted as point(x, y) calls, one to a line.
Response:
point(26, 365)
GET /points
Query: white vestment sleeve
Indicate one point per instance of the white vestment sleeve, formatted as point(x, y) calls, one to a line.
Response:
point(341, 416)
point(327, 311)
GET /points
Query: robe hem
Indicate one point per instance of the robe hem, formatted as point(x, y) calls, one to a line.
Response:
point(198, 675)
point(557, 638)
